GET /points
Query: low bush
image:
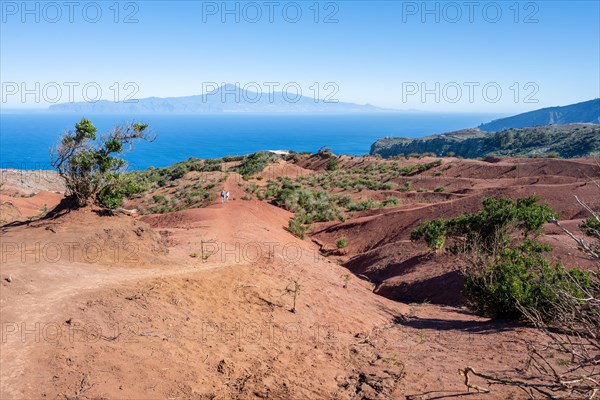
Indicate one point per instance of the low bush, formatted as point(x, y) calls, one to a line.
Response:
point(505, 269)
point(406, 187)
point(254, 163)
point(341, 243)
point(389, 202)
point(118, 187)
point(361, 205)
point(433, 232)
point(332, 164)
point(297, 228)
point(521, 278)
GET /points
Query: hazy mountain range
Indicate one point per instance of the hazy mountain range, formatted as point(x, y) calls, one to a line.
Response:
point(226, 99)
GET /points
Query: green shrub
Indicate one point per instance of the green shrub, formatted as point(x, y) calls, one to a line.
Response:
point(406, 187)
point(308, 205)
point(591, 227)
point(161, 209)
point(297, 228)
point(506, 271)
point(389, 201)
point(161, 176)
point(344, 201)
point(332, 164)
point(117, 187)
point(434, 232)
point(212, 165)
point(254, 163)
point(521, 278)
point(491, 228)
point(232, 158)
point(361, 205)
point(110, 198)
point(251, 188)
point(178, 171)
point(341, 243)
point(159, 198)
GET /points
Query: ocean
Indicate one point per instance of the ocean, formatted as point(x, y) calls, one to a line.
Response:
point(25, 139)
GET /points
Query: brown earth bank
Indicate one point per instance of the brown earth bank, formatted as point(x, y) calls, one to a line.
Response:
point(197, 303)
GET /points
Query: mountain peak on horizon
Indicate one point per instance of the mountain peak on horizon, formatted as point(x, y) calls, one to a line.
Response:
point(224, 98)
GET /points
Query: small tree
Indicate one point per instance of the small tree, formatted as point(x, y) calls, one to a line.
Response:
point(293, 289)
point(91, 168)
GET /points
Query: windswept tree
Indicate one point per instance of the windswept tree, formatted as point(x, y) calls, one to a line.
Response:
point(91, 167)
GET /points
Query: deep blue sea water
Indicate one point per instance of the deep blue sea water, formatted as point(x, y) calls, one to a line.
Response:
point(25, 139)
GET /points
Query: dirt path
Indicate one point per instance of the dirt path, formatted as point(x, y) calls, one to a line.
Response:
point(30, 302)
point(28, 321)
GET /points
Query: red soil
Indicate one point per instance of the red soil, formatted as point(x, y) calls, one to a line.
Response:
point(196, 303)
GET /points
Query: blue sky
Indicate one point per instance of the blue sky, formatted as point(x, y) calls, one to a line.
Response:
point(384, 53)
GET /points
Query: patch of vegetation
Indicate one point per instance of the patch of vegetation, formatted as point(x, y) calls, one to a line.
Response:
point(576, 140)
point(118, 187)
point(521, 278)
point(251, 188)
point(406, 187)
point(160, 177)
point(297, 228)
point(434, 233)
point(506, 271)
point(389, 202)
point(232, 158)
point(591, 227)
point(308, 205)
point(254, 163)
point(362, 205)
point(492, 227)
point(332, 164)
point(566, 312)
point(182, 198)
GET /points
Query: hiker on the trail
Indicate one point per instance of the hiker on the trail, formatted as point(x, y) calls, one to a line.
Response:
point(222, 196)
point(226, 196)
